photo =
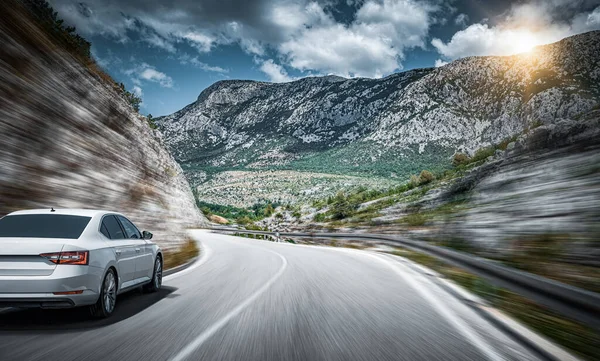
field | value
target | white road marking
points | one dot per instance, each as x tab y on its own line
198	341
470	335
444	311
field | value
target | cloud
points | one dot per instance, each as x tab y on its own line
200	41
304	33
440	62
137	91
372	45
186	59
157	41
275	72
525	25
461	20
107	60
146	72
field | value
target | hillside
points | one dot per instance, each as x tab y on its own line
69	140
376	132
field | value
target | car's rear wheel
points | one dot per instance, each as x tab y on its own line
156	282
108	296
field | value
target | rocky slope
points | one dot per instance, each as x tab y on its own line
389	127
68	140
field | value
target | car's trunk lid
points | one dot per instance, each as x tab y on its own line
21	256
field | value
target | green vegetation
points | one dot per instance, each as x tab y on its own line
460	159
426	177
483	154
65	36
130	97
415	220
319	217
269	210
572	335
542	254
342	206
241	215
150	120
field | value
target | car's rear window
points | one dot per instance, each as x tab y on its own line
43	226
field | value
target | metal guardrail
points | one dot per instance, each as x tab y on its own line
569	301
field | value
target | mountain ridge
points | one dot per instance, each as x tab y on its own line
390	127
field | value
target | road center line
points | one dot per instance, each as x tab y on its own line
444	311
198	341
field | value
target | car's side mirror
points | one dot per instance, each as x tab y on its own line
146	235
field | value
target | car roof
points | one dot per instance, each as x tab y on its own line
64	211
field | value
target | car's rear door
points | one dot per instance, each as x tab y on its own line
144	262
124	248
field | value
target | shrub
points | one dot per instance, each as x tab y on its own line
297	214
243	220
319	217
269	210
414	181
460	159
253	227
341	207
483	154
426	177
415	220
151	122
65	36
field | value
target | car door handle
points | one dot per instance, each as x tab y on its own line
137	249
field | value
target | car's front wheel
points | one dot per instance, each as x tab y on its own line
108	296
156	281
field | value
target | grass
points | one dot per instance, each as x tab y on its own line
183	254
414	220
572	335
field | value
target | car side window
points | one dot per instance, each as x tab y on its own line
131	231
112	227
104	230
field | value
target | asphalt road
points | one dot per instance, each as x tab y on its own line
257	300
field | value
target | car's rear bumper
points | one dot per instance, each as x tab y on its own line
40	291
47	300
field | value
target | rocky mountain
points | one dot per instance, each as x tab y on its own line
375	130
70	141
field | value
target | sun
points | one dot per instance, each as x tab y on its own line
523	41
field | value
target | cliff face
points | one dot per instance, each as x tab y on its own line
69	140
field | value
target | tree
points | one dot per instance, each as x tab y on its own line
66	37
151	122
269	210
341	207
133	100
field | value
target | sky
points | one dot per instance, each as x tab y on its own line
167	52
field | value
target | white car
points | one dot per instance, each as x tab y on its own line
74	257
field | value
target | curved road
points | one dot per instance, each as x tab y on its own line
256	300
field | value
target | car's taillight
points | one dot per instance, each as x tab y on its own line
77	258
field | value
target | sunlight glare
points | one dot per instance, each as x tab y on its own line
523	41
